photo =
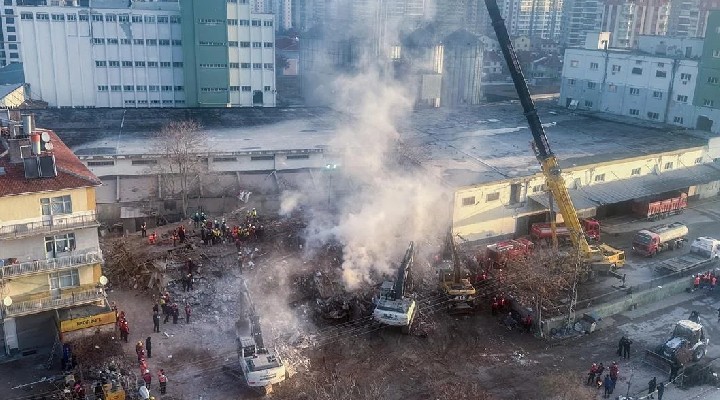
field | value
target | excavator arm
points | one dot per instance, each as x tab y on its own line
541	146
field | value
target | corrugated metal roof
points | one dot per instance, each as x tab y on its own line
647	185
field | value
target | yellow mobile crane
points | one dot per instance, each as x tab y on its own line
459	292
600	255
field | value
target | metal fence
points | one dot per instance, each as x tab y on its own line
74	259
52	303
56	222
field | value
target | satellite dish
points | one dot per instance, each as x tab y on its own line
48	146
103	280
7	301
45	137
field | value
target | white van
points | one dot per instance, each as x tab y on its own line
706	247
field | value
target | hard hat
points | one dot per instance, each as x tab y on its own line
147	371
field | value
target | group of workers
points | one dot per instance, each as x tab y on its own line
706	280
595	377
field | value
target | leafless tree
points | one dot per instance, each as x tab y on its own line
181	144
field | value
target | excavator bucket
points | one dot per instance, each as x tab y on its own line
658	361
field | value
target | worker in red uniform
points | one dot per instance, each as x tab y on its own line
614	372
124	330
152	238
713	282
494	306
696	281
163	381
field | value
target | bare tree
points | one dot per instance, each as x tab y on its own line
182	145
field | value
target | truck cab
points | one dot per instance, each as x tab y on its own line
688	336
706	247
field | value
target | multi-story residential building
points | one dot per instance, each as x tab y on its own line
50	260
470	15
657	82
533	18
688	18
138	54
579	17
230	54
707	89
628	19
283	14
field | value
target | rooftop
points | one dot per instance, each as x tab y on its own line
71	172
464	147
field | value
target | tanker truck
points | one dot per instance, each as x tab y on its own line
649	242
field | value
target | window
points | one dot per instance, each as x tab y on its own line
167	101
162	19
11	29
111	41
599	178
268	45
594	65
139	63
660	74
538	188
151	42
56	205
129	88
153	88
245	65
635	171
257	65
246	89
174	20
137	19
138	41
166	88
152	64
101	63
634	111
267	88
58	17
114	63
637	71
612	88
256	22
177	64
10	21
165	64
257	45
65	279
268	66
661	65
298	156
59	244
698	160
268	23
26	15
100	163
234	88
177	42
235	65
127	63
204	43
635	91
179	88
164	42
142	102
14	55
468	201
669	165
244	22
657	94
591	85
682	99
125	41
12	46
42	16
232	22
685	77
574	63
232	43
110	17
653	115
144	162
678	120
213	65
115	88
615	68
492	196
224	159
123	18
150	19
716	53
713	80
98	41
588	103
141	88
571	81
708	103
262	158
97	17
244	44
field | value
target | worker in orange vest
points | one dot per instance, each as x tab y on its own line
152	238
696	282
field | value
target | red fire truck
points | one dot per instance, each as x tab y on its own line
541	231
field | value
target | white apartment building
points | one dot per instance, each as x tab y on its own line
656	82
626	20
533	18
688	18
580	17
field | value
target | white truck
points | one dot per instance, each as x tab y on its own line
706	247
393	307
649	242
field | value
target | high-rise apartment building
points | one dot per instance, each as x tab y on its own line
214	53
628	19
579	17
533	18
688	18
707	90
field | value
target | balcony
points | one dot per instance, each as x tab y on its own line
79	296
55	223
75	259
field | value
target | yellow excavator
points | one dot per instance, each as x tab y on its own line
598	257
460	294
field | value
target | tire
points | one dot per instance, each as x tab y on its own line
554	332
699	353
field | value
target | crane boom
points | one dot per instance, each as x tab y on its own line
548	162
403	271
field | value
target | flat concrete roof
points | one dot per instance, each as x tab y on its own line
464	147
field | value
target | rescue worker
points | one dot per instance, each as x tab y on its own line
144	393
175	237
175	313
660	390
152	239
614	372
181	233
143	229
240	266
148	347
494	306
124	330
156	322
696	282
190	282
608	386
528	322
187	313
713	282
163	381
626	348
621	345
652	386
147	377
592	373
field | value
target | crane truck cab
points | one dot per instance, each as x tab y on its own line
393	307
706	247
688	336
